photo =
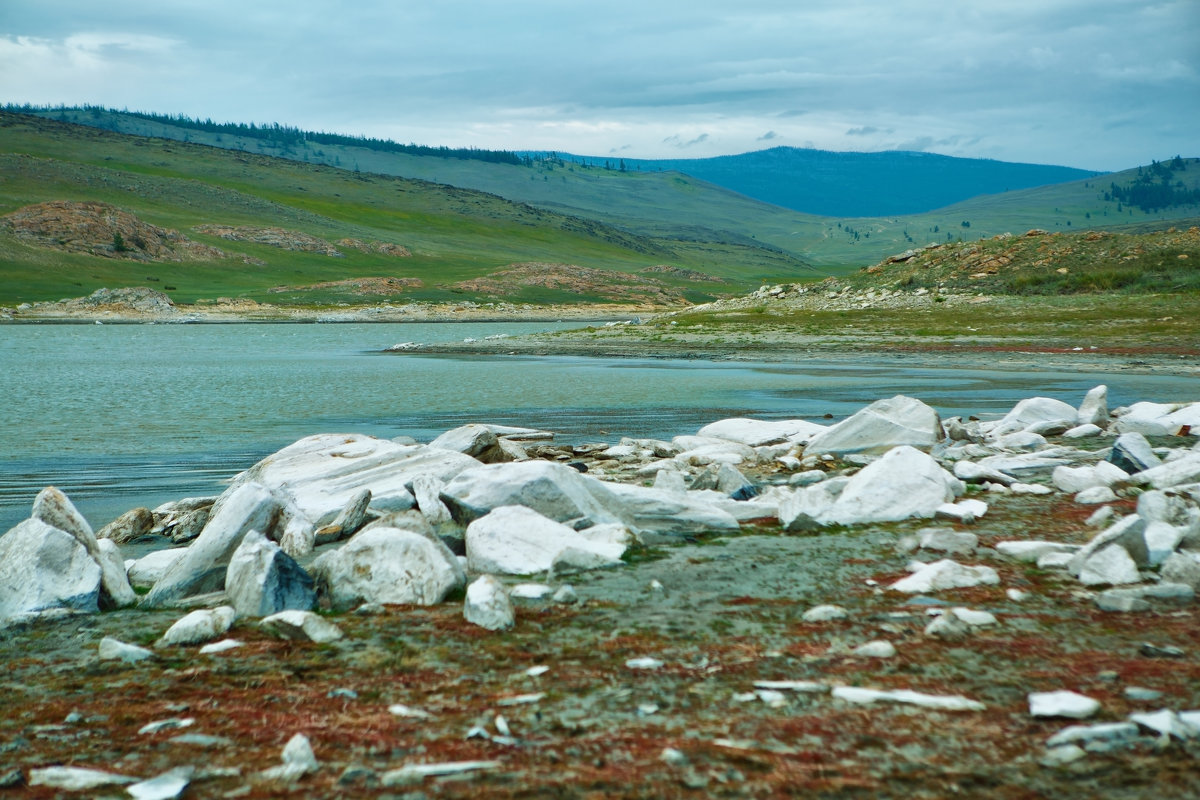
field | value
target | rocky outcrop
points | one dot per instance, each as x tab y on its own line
101	229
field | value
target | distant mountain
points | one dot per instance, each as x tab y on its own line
890	183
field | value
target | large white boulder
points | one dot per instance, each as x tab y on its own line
1183	470
515	540
1132	453
657	511
43	567
387	565
553	490
1036	411
902	484
149	569
323	473
1153	419
882	425
477	441
242	508
262	580
757	432
55	508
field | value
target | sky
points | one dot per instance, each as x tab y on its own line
1095	84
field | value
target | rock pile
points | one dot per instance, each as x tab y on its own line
404	523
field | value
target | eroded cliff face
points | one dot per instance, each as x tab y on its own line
101	229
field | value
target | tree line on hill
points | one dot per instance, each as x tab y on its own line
283	135
1156	187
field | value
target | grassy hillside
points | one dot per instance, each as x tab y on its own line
681	207
453	234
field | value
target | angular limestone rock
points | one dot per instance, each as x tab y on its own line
946	574
1062	704
199	626
304	626
262	580
43	567
387	565
487	604
880	426
902	484
515	540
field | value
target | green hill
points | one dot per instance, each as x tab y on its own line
453	235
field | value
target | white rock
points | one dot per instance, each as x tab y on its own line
854	694
554	490
804	507
1021	442
167	786
349	519
649	511
946	574
1132	453
301	626
806	687
1095	496
1100	518
947	540
1094	408
948	626
298	760
223	646
974	617
487	604
644	662
1034	411
531	591
473	440
427	489
1030	552
1109	565
1128	532
323	473
199	626
147	570
54	508
1063	755
245	507
1103	732
42	567
1181	471
967	510
416	772
1030	488
387	565
904	483
972	472
1085	431
1062	703
1149	419
76	779
1162	539
880	426
824	613
1055	560
876	649
516	540
262	580
115	650
666	480
1164	722
755	433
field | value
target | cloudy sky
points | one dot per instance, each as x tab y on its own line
1097	84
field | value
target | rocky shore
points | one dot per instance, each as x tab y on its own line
893	604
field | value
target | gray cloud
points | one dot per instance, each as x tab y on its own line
768	136
1025	80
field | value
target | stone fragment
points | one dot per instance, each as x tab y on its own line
1022	442
756	433
43	567
1062	703
55	509
875	649
148	569
824	613
1183	568
387	565
348	521
76	779
167	786
1132	453
116	591
652	512
1180	471
304	626
1036	410
553	490
903	483
854	694
947	540
965	511
115	650
129	527
946	574
477	441
1062	755
1109	565
487	604
971	472
298	760
1095	496
1086	431
879	427
1123	603
427	490
413	773
262	580
243	508
1164	722
1128	532
1104	732
516	540
199	626
1094	408
948	626
1100	518
1031	551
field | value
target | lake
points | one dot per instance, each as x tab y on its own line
124	415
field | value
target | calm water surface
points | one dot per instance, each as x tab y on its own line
126	415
